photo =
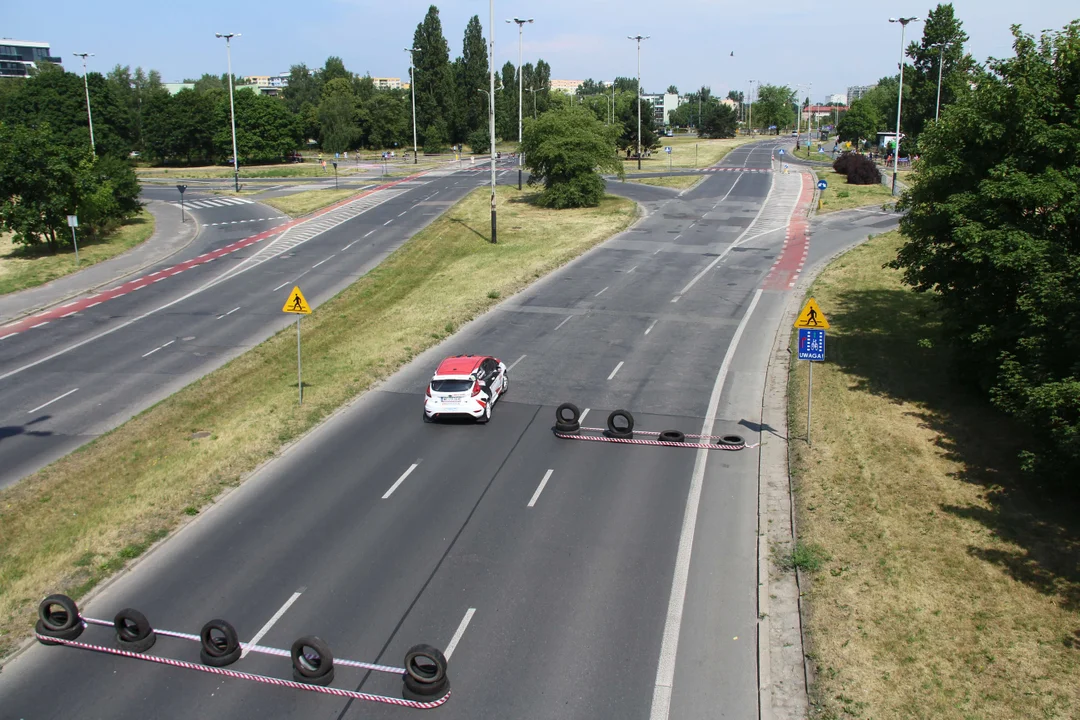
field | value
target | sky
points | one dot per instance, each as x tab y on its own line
828	44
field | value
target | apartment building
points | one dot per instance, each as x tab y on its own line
663	104
18	56
857	91
566	86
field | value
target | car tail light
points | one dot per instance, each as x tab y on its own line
428	392
476	388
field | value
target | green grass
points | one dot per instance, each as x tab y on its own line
308	201
841	196
291	170
74	523
22	268
946	589
674	181
683	153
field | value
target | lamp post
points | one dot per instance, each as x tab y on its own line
533	91
899	95
412	87
941	63
232	110
750	107
612	102
638	38
520	24
86	85
491	111
798	116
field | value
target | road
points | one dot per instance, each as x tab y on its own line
581	580
71	373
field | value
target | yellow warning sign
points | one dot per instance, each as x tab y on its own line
296	303
812	317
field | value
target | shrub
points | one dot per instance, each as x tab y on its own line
842	163
862	171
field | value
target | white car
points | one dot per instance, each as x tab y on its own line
465	385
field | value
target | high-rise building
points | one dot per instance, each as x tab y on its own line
566	86
18	56
857	91
837	99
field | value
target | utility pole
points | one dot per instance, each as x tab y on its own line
86	85
232	110
899	96
412	86
750	107
639	38
520	24
941	63
491	112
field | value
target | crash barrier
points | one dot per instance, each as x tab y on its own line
620	429
425	683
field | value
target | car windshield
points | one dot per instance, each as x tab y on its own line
450	386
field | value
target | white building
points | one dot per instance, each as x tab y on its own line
18	56
837	99
663	105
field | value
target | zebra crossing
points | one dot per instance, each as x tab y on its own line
716	168
215	202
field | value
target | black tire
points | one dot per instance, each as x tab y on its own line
224	642
60	620
419	692
567	418
138	646
675	436
425	664
614	430
428	419
131	626
220	660
312	667
323	680
735	440
486	416
69	634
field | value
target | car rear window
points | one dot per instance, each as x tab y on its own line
451	386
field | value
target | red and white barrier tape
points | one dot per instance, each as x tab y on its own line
629	441
653	432
262	649
250	676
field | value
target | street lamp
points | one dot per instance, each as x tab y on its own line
89	115
412	86
639	38
533	91
232	110
899	95
798	115
612	102
491	110
520	24
750	107
941	62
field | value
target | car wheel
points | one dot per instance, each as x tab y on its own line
486	416
428	419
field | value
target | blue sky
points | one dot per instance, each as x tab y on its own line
830	43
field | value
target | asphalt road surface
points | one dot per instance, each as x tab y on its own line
572	579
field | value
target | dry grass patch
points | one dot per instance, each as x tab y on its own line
948	591
687	153
77	521
841	196
308	201
20	269
680	182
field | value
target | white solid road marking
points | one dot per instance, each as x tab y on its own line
270	623
458	633
93	305
581	418
540	488
159	348
631	270
676	298
665	671
39	325
515	363
651	325
69	314
600	293
31	412
400	480
8	335
615	370
568	318
321	262
232	311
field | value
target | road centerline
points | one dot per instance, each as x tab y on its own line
270	623
452	645
61	397
400	480
540	488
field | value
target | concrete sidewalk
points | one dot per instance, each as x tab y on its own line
170	237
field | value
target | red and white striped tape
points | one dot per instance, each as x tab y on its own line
653	432
629	441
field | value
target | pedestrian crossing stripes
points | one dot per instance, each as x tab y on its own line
215	202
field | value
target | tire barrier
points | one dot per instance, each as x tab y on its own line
567	418
220	644
712	442
672	436
133	631
312	661
733	440
59	619
615	430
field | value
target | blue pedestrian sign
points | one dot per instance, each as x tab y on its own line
821	184
781	151
667	149
812	345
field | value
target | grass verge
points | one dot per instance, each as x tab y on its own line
308	201
687	153
313	169
79	520
674	181
20	269
841	196
945	590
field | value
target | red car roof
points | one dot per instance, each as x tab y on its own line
460	365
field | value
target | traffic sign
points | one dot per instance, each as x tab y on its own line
811	344
821	150
822	184
812	317
667	149
181	188
73	221
781	151
296	303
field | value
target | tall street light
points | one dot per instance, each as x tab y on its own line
750	107
89	115
639	38
491	110
941	63
412	86
533	91
520	24
232	110
899	95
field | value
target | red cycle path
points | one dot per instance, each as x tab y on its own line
785	271
85	303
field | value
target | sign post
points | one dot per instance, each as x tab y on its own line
335	175
667	149
822	185
181	188
297	305
811	325
73	222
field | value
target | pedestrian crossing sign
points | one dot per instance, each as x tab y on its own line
296	303
811	317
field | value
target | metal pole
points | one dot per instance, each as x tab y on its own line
412	86
182	208
899	97
491	114
809	400
232	109
75	243
941	62
521	24
299	370
86	85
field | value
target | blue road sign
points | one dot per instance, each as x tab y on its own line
811	344
781	151
821	184
667	149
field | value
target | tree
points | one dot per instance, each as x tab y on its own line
672	90
303	87
993	231
736	95
718	120
774	107
433	80
338	116
542	83
334	69
624	84
626	114
861	121
389	120
565	150
506	92
265	129
473	74
922	77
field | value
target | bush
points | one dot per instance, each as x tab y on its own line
862	171
842	163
